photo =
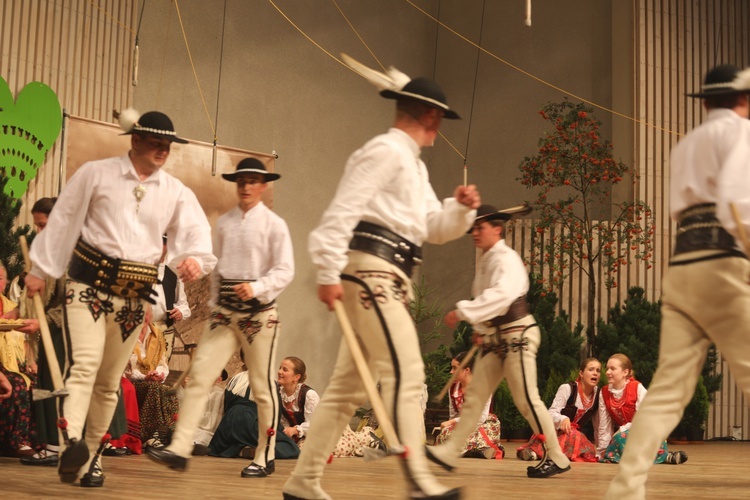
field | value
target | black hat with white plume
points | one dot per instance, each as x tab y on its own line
393	84
152	122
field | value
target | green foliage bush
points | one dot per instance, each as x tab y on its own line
634	329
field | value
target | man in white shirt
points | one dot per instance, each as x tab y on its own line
255	264
106	231
365	248
510	338
705	293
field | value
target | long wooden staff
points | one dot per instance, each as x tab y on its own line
49	348
740	228
394	445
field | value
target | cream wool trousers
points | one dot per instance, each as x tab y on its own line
702	302
96	356
521	342
391	346
216	346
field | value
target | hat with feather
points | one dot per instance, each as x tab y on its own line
724	80
393	84
152	122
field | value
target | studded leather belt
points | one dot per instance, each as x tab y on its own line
112	275
384	243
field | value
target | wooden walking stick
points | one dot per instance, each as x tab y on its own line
394	445
740	228
469	356
49	348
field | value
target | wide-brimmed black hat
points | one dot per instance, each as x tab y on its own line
720	80
423	90
251	166
156	123
486	213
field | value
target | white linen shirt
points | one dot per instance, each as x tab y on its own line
98	204
254	245
712	165
501	279
385	183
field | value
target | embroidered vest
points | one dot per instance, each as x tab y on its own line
622	411
296	417
584	421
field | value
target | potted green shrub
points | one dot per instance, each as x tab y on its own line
696	414
514	426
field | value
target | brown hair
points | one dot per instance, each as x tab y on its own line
43	206
412	107
586	362
299	367
726	101
625	363
460	357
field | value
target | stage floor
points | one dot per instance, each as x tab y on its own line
713	470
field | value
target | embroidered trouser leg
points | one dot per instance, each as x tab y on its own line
100	333
375	298
514	359
215	347
702	302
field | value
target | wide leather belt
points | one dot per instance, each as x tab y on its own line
228	298
699	229
112	275
381	242
518	309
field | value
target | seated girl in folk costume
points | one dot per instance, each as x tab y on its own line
618	402
148	370
484	442
575	414
17	432
237	433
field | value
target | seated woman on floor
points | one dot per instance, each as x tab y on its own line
575	414
147	370
17	430
484	442
237	433
618	402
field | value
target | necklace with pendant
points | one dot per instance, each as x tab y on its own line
139	192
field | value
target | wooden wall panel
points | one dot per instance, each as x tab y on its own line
82	49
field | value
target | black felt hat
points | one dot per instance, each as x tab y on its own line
721	80
423	90
251	166
486	213
152	122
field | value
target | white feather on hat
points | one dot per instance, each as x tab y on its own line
393	79
742	80
128	118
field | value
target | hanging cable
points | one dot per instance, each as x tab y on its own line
538	79
192	65
218	89
473	96
135	49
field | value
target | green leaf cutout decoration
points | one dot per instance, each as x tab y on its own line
29	127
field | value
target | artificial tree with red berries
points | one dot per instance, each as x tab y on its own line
573	173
